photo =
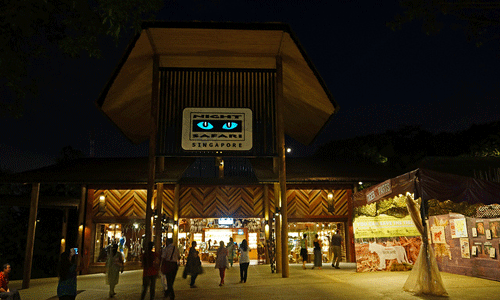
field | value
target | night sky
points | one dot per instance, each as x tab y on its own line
381	79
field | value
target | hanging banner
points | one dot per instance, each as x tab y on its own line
383	226
217	129
378	191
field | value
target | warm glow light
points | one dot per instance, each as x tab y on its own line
222	163
101	198
136	225
288	150
330	196
360	183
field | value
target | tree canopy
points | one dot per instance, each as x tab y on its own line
479	19
37	29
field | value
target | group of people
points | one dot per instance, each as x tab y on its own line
335	244
225	257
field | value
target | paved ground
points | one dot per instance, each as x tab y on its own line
327	283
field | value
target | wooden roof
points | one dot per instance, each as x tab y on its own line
134	171
126	98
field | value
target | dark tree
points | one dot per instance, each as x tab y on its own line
36	29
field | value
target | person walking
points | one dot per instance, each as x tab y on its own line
318	257
337	250
244	260
231	249
303	250
221	262
193	265
151	264
169	266
114	264
5	292
66	288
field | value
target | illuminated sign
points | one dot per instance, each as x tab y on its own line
226	221
217	129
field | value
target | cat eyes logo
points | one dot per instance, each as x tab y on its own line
220	129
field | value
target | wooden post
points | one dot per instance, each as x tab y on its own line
277	228
64	231
176	214
30	241
266	218
81	219
159	212
152	149
282	165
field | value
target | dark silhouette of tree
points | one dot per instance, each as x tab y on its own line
402	149
32	30
478	19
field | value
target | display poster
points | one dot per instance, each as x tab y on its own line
492	252
495	228
465	247
480	227
488	234
488	248
438	235
479	247
474	232
383	226
458	228
474	251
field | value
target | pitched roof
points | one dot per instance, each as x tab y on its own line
126	98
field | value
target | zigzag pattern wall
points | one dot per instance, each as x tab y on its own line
221	201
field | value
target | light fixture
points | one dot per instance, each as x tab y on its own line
330	196
360	183
288	150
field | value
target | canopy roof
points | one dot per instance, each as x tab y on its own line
432	185
126	98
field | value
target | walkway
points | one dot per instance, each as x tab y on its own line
327	283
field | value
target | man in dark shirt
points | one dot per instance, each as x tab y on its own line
5	292
337	251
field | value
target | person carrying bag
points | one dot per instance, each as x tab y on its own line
169	267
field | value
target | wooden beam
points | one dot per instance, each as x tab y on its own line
64	231
88	233
176	214
81	219
282	165
152	149
277	229
266	218
159	212
30	241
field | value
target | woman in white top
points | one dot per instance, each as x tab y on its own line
244	260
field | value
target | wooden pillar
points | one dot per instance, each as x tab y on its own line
350	247
277	228
280	126
159	213
30	241
88	233
176	214
152	150
81	219
266	218
64	231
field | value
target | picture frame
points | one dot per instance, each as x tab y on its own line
474	251
474	232
492	253
488	234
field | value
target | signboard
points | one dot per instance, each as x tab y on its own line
217	129
226	221
378	191
384	226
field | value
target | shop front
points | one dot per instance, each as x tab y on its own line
210	214
324	230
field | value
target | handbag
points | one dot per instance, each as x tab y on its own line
168	266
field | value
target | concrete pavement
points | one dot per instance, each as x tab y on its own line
327	283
